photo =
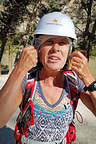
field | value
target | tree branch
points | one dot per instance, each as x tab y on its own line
68	4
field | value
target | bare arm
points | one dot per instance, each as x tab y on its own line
10	96
86	98
81	67
11	93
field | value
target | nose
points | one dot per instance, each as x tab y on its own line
56	47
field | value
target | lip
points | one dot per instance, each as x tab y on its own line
54	58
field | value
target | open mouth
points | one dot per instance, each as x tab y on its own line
53	59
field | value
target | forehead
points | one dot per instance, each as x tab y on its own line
43	38
59	38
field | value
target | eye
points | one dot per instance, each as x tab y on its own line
61	43
49	42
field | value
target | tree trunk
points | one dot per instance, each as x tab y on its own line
88	50
2	48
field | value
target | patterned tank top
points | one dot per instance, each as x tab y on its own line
51	121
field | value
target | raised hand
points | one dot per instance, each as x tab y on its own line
28	59
81	67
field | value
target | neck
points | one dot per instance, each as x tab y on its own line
51	78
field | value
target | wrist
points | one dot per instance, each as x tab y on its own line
89	80
91	87
19	71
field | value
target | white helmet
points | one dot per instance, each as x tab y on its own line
57	24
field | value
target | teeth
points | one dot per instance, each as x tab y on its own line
54	58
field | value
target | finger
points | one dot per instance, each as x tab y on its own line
77	54
76	64
76	59
29	50
75	69
29	47
29	54
80	61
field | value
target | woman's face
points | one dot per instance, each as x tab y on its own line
54	53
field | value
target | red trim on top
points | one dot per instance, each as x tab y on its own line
32	116
29	84
69	71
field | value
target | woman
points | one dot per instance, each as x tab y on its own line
46	109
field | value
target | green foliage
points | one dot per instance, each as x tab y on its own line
10	17
30	40
50	6
93	51
16	41
13	48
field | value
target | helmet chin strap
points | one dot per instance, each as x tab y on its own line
71	47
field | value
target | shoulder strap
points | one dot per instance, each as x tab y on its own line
75	94
30	86
73	90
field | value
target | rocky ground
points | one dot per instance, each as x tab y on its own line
86	132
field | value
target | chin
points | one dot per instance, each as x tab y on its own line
54	68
